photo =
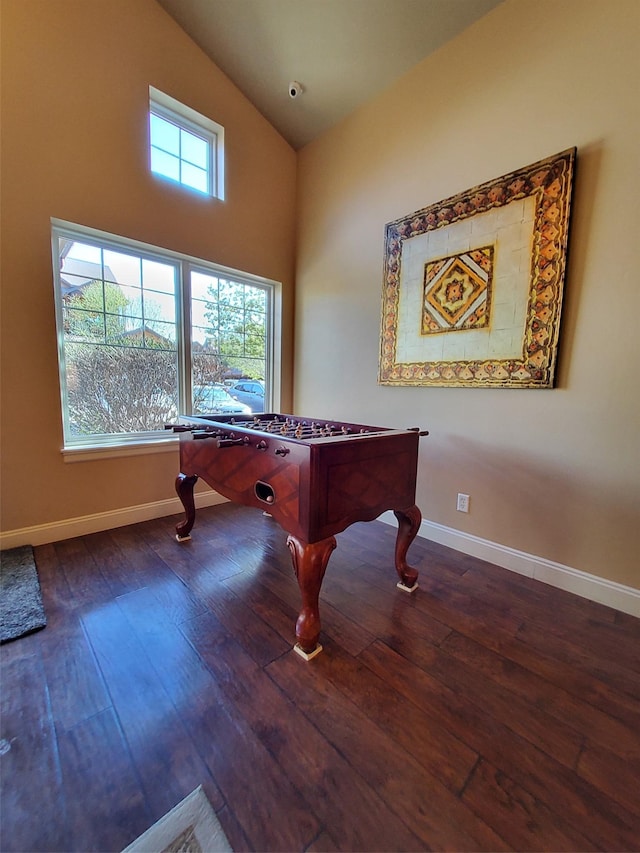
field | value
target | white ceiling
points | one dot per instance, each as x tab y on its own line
342	52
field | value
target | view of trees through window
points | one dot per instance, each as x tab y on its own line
123	337
228	325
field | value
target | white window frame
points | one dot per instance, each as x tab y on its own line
188	119
95	446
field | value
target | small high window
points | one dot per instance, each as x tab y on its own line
185	146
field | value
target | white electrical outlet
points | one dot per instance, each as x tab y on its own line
463	503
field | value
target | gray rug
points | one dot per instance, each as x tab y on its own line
21	610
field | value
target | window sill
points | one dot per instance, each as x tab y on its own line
91	453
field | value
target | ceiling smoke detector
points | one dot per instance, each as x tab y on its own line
295	89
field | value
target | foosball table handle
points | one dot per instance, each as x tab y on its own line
233	442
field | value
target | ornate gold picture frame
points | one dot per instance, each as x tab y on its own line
473	285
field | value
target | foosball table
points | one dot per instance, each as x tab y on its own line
314	477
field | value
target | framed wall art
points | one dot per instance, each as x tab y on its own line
473	285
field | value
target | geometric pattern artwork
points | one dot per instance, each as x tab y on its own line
457	292
473	285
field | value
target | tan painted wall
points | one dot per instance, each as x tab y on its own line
553	473
75	78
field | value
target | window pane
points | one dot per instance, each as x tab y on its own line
80	291
254	345
207	368
201	284
255	319
231	293
84	325
196	178
159	335
205	340
122	268
232	341
158	276
131	336
194	150
165	135
165	164
84	252
203	314
159	306
129	303
114	390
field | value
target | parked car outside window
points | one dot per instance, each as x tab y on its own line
250	392
215	399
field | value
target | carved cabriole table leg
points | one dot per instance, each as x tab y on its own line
309	563
408	525
184	487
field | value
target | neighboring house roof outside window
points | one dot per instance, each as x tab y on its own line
76	274
143	335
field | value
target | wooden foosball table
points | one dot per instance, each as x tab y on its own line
315	478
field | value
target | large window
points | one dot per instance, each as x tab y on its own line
185	146
146	334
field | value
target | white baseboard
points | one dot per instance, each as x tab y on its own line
618	596
40	534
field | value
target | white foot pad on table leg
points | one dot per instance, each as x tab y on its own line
307	655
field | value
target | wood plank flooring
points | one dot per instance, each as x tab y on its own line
485	712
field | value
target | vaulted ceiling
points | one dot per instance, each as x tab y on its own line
341	52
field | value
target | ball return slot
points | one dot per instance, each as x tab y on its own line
264	492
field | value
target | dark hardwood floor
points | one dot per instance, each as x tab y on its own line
484	712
